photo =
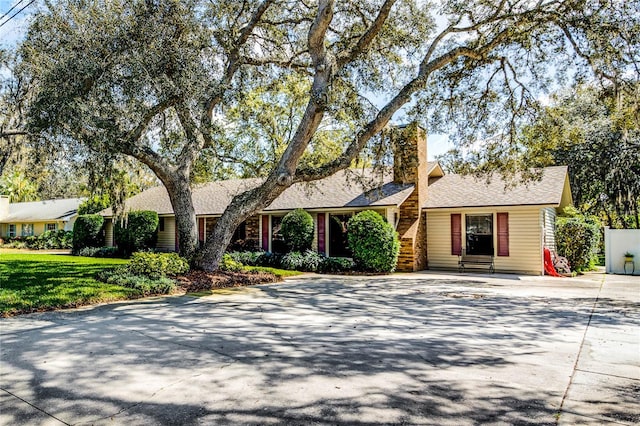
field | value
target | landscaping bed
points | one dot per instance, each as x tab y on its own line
45	282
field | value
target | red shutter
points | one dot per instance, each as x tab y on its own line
321	233
265	232
201	229
456	234
503	234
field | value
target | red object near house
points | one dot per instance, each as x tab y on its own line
549	269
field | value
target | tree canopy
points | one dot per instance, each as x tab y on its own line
170	83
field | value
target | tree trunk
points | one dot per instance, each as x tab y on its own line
242	207
185	214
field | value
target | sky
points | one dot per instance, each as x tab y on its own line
15	29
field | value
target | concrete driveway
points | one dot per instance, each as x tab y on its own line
420	348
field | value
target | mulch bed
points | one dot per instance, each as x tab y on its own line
196	281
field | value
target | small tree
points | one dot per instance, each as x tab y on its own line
373	241
138	232
297	230
94	204
577	239
88	232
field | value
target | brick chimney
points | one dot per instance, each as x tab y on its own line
409	145
4	206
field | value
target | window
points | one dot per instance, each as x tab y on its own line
479	234
12	230
27	229
277	240
161	224
338	242
52	226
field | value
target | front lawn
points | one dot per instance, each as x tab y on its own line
34	282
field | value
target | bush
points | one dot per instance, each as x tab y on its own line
577	239
270	260
297	230
98	252
293	261
373	242
249	258
88	232
94	204
229	264
144	285
335	264
140	231
157	265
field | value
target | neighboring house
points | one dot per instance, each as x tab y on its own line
436	215
36	217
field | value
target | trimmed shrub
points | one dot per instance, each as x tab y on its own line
297	230
335	265
88	232
140	231
144	285
156	265
229	264
98	252
271	260
293	261
249	258
373	242
577	239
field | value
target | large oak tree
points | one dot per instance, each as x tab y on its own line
159	80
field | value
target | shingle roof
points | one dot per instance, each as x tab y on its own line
38	211
454	190
337	191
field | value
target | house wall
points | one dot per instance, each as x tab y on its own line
617	242
525	239
38	227
108	232
548	218
167	238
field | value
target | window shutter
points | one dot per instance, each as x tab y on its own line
265	232
321	233
456	234
201	229
503	234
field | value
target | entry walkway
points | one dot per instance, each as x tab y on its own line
420	348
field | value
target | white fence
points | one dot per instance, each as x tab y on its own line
617	242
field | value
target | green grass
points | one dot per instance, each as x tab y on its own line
34	282
275	271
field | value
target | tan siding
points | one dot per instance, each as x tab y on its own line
525	235
439	241
167	238
108	233
38	228
548	218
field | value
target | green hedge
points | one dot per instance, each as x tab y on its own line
373	242
297	230
157	265
577	239
88	232
138	232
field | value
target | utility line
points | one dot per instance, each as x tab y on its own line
14	15
9	11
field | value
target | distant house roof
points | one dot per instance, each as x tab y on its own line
40	211
452	190
342	190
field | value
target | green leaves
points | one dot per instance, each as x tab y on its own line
373	242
